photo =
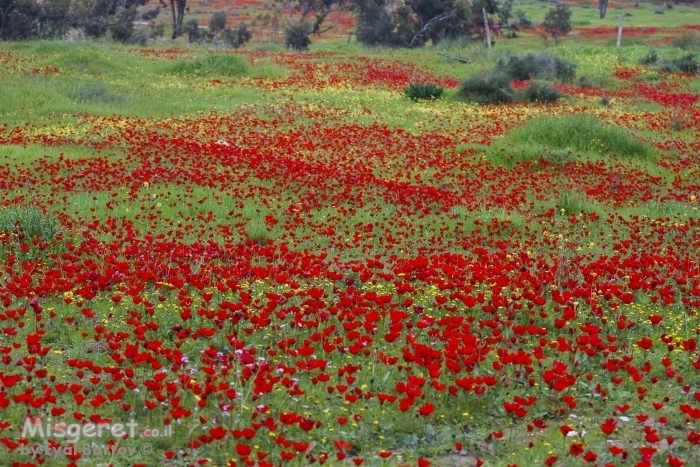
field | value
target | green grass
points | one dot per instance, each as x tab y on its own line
558	138
212	65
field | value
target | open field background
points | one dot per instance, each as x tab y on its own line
290	263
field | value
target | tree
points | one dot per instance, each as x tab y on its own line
178	8
191	28
297	35
438	20
603	7
19	19
122	26
558	21
236	37
54	21
323	11
217	22
90	17
374	24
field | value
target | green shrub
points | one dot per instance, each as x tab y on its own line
650	58
423	91
212	65
523	21
486	88
575	133
689	40
687	64
536	65
542	92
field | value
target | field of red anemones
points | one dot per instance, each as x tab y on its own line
323	272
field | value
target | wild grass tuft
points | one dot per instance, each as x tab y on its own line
212	65
423	91
27	223
576	133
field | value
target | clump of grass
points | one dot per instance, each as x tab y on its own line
570	202
486	88
576	133
19	226
93	93
536	66
542	92
423	91
212	65
27	223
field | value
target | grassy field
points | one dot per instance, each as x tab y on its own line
276	258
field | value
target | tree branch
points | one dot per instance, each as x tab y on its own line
431	22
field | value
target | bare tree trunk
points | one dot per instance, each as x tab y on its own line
172	7
486	26
619	30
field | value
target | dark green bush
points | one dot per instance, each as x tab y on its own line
536	65
542	92
487	88
423	91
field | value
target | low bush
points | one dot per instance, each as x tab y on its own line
651	58
536	65
487	88
689	40
542	92
423	91
685	64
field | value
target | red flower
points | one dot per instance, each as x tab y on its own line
608	427
645	343
426	409
576	449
